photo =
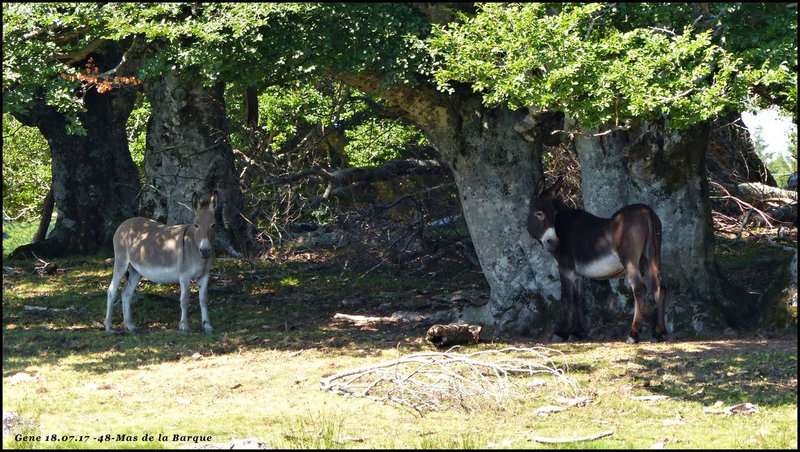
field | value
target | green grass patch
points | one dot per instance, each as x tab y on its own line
275	337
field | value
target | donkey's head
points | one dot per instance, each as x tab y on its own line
204	222
542	215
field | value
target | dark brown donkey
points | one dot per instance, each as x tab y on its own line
586	246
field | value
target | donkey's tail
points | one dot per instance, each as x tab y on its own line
654	240
654	249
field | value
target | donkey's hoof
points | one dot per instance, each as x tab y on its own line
657	338
632	340
207	328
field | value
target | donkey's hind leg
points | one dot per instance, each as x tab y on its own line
658	295
120	265
127	293
639	295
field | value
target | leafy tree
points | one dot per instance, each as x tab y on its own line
26	170
590	61
377	141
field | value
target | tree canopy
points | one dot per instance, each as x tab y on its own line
609	63
600	62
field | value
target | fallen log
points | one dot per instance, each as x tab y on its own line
444	336
754	191
363	318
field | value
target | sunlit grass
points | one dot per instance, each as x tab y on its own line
258	375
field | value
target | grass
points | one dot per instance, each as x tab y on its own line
258	374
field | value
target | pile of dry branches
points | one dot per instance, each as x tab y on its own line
737	204
432	381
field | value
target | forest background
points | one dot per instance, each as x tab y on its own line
303	114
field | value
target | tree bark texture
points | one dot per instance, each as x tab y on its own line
495	159
667	171
95	182
188	150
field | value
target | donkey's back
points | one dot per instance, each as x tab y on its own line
152	248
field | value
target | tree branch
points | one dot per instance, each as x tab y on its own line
348	176
543	440
78	55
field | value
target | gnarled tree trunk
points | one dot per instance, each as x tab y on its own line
495	156
95	182
665	170
188	150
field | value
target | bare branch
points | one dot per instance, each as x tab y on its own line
432	381
347	176
543	440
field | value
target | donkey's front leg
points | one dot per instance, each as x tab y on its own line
202	289
566	330
186	288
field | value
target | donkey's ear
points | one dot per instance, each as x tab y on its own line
539	187
212	200
195	201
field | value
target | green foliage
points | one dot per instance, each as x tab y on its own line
571	58
600	62
26	170
378	140
763	35
16	234
229	41
137	131
36	37
255	44
287	110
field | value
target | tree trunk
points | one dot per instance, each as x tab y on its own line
495	155
665	170
188	150
45	217
731	157
95	182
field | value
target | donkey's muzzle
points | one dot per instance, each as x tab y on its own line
205	253
550	239
551	243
